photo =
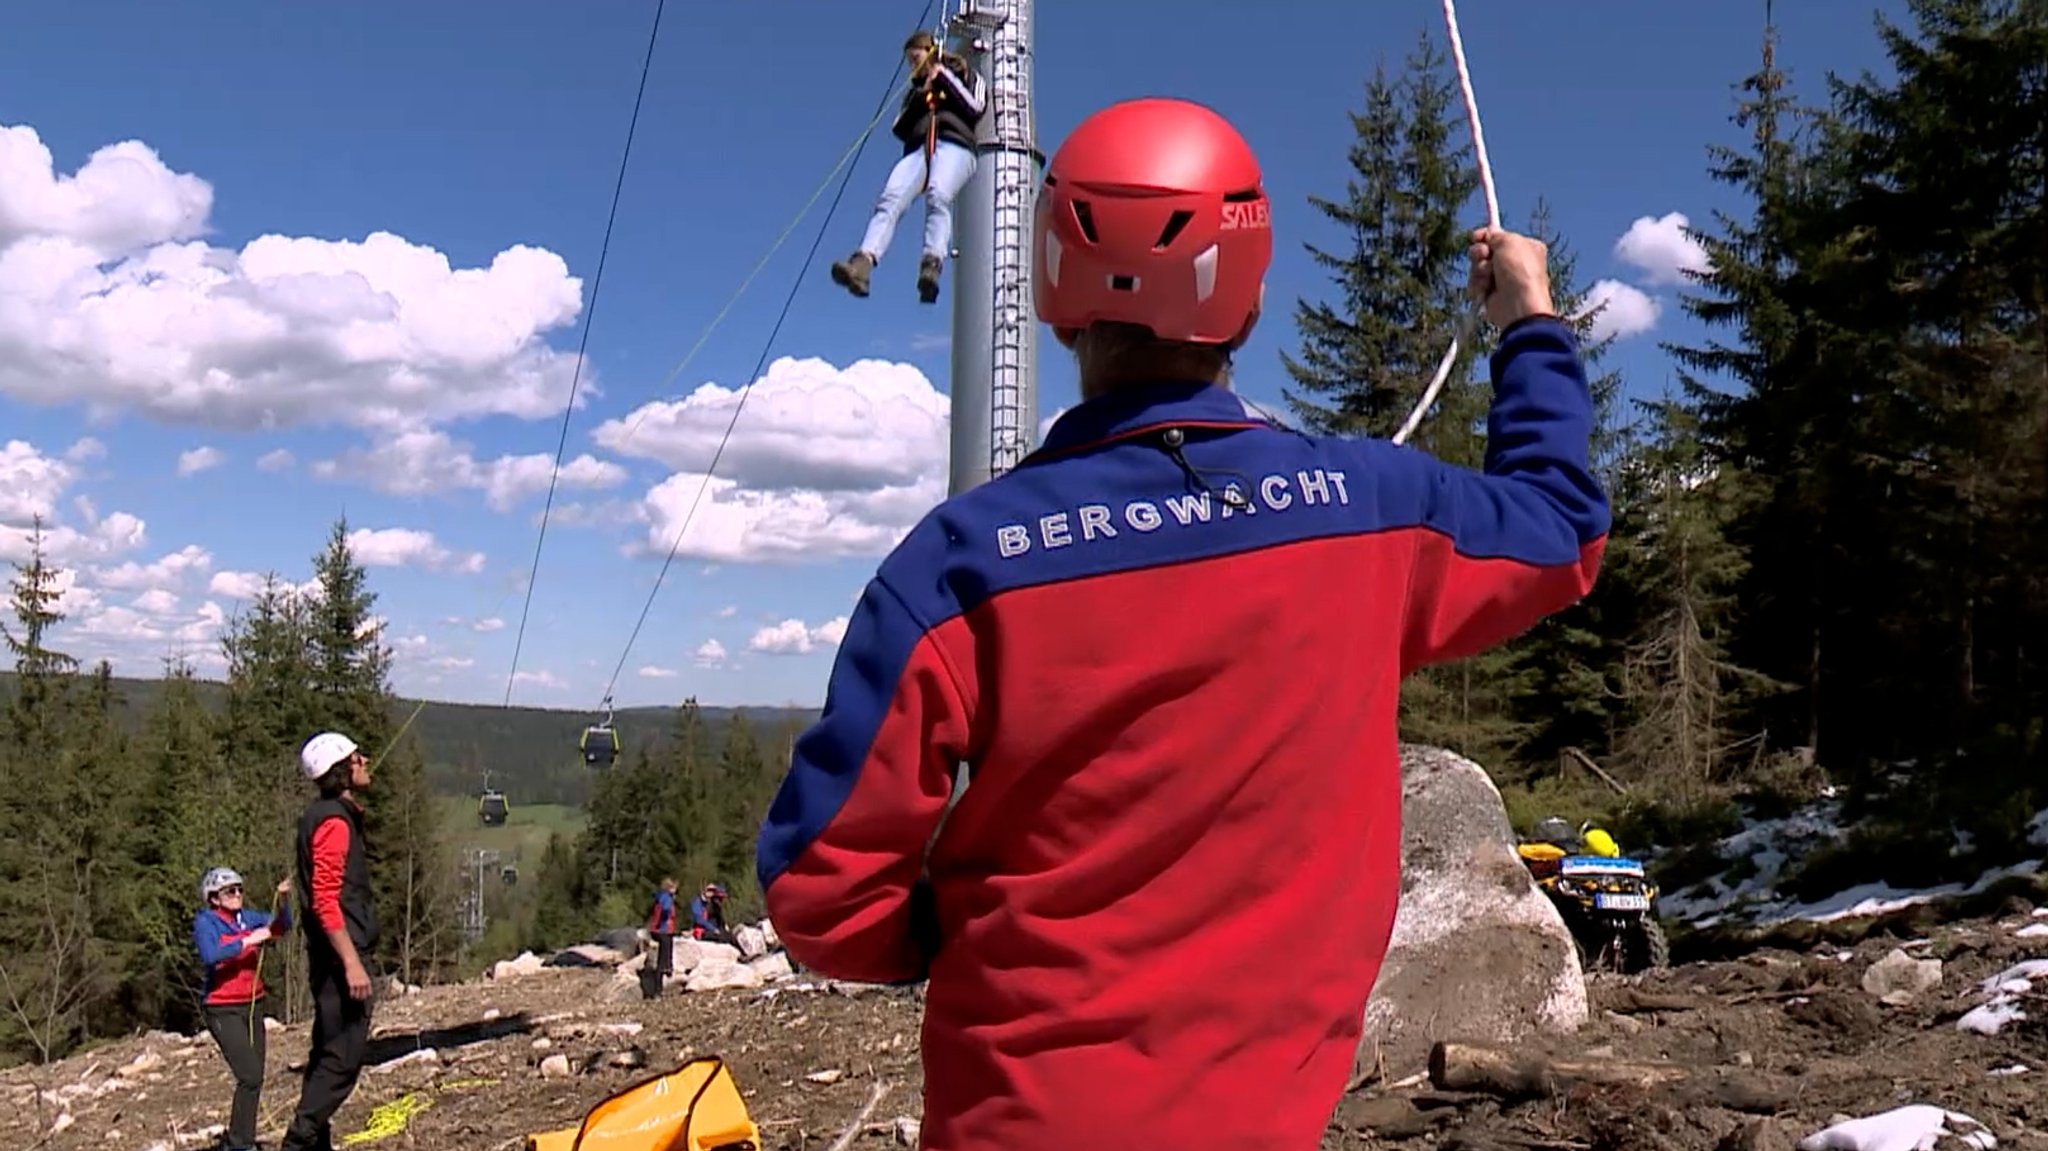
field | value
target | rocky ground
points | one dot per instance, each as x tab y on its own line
1746	1053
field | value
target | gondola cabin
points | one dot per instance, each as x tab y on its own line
492	809
510	875
600	744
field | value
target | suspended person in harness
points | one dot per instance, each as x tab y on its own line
707	916
230	939
1169	581
340	925
937	126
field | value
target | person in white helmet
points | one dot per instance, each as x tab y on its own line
340	923
230	938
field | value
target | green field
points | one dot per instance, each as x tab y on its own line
524	835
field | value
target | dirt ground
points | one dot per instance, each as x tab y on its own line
1768	1047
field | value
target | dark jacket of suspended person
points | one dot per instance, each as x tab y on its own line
1170	643
230	939
938	123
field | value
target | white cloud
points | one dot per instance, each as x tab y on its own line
709	654
114	301
794	637
165	572
1624	310
409	547
30	485
276	461
249	585
156	601
728	611
541	679
653	672
1659	247
823	463
85	449
198	460
420	462
30	482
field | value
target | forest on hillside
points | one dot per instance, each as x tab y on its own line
530	752
108	819
1829	558
1828	566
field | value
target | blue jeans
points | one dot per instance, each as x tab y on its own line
951	166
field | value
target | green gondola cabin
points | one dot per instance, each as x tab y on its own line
600	744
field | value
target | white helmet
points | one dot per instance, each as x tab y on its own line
216	880
323	751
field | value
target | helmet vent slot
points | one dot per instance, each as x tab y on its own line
1084	217
1175	225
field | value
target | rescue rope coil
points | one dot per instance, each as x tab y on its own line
1469	324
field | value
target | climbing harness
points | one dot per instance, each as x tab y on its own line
1469	325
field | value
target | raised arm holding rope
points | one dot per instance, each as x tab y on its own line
1170	642
230	938
937	124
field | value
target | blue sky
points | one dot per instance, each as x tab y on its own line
189	405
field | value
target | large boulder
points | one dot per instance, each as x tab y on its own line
1478	953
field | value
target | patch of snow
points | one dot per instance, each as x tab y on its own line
1907	1128
1765	849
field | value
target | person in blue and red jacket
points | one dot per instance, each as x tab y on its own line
340	926
661	923
1169	644
230	939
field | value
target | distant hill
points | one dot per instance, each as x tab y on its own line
531	752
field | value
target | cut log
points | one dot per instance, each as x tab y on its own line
1516	1075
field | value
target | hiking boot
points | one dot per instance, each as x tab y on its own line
928	279
852	273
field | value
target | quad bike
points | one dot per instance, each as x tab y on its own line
1606	903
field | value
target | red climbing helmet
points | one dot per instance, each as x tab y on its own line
1153	213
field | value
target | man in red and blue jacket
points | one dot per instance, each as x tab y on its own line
230	938
1170	645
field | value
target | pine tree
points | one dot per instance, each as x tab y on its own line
1369	355
171	843
1558	676
1679	686
52	979
1772	439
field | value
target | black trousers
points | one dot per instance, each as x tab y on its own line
341	1038
238	1028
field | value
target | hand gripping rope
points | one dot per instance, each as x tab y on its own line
1469	324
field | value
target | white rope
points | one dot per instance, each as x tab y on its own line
1469	325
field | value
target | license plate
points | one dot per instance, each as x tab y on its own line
1622	902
